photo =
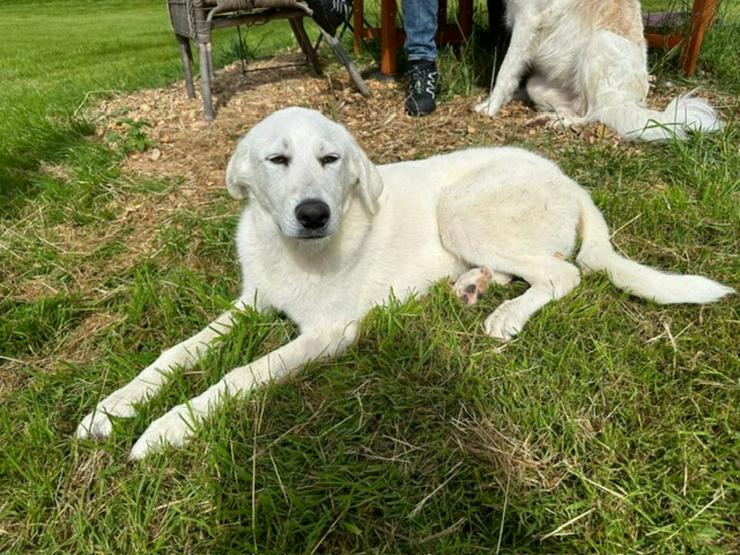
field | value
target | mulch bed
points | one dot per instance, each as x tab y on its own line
186	146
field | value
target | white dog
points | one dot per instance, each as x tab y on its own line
588	63
327	235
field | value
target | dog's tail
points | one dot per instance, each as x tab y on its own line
597	253
685	113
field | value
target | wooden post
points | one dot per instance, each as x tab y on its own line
702	14
465	18
205	82
358	12
296	23
441	19
388	37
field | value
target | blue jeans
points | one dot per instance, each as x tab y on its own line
420	24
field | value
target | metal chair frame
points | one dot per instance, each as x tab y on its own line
196	19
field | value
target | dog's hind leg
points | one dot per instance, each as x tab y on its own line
550	279
520	221
558	107
150	380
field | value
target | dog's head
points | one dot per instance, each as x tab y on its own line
304	170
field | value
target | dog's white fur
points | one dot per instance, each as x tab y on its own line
588	63
396	228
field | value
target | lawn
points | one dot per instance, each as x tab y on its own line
609	426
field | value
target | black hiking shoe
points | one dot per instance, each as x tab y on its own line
422	88
330	14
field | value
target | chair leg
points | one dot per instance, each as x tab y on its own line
702	14
388	45
359	10
211	71
342	56
465	17
296	23
205	81
187	64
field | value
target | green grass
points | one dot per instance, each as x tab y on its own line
609	426
59	55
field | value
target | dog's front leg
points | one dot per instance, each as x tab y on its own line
514	65
177	425
121	402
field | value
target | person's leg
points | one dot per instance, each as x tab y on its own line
420	24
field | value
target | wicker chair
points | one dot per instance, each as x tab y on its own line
195	19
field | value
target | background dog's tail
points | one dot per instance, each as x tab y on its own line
683	114
597	253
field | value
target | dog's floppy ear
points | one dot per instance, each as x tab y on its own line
239	171
369	182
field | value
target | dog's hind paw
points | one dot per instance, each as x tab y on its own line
506	321
471	285
540	120
557	121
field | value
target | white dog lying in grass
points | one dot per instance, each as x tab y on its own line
588	62
327	235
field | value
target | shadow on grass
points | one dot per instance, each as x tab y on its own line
376	451
42	141
358	469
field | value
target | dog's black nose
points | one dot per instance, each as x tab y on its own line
312	213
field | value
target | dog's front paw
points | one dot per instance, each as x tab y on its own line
488	107
505	322
98	424
174	428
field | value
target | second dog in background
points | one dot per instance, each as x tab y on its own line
588	63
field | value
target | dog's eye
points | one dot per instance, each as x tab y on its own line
279	159
329	159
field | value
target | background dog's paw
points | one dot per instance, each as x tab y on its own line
487	108
174	428
541	120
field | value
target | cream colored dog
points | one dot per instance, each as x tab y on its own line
327	235
588	63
